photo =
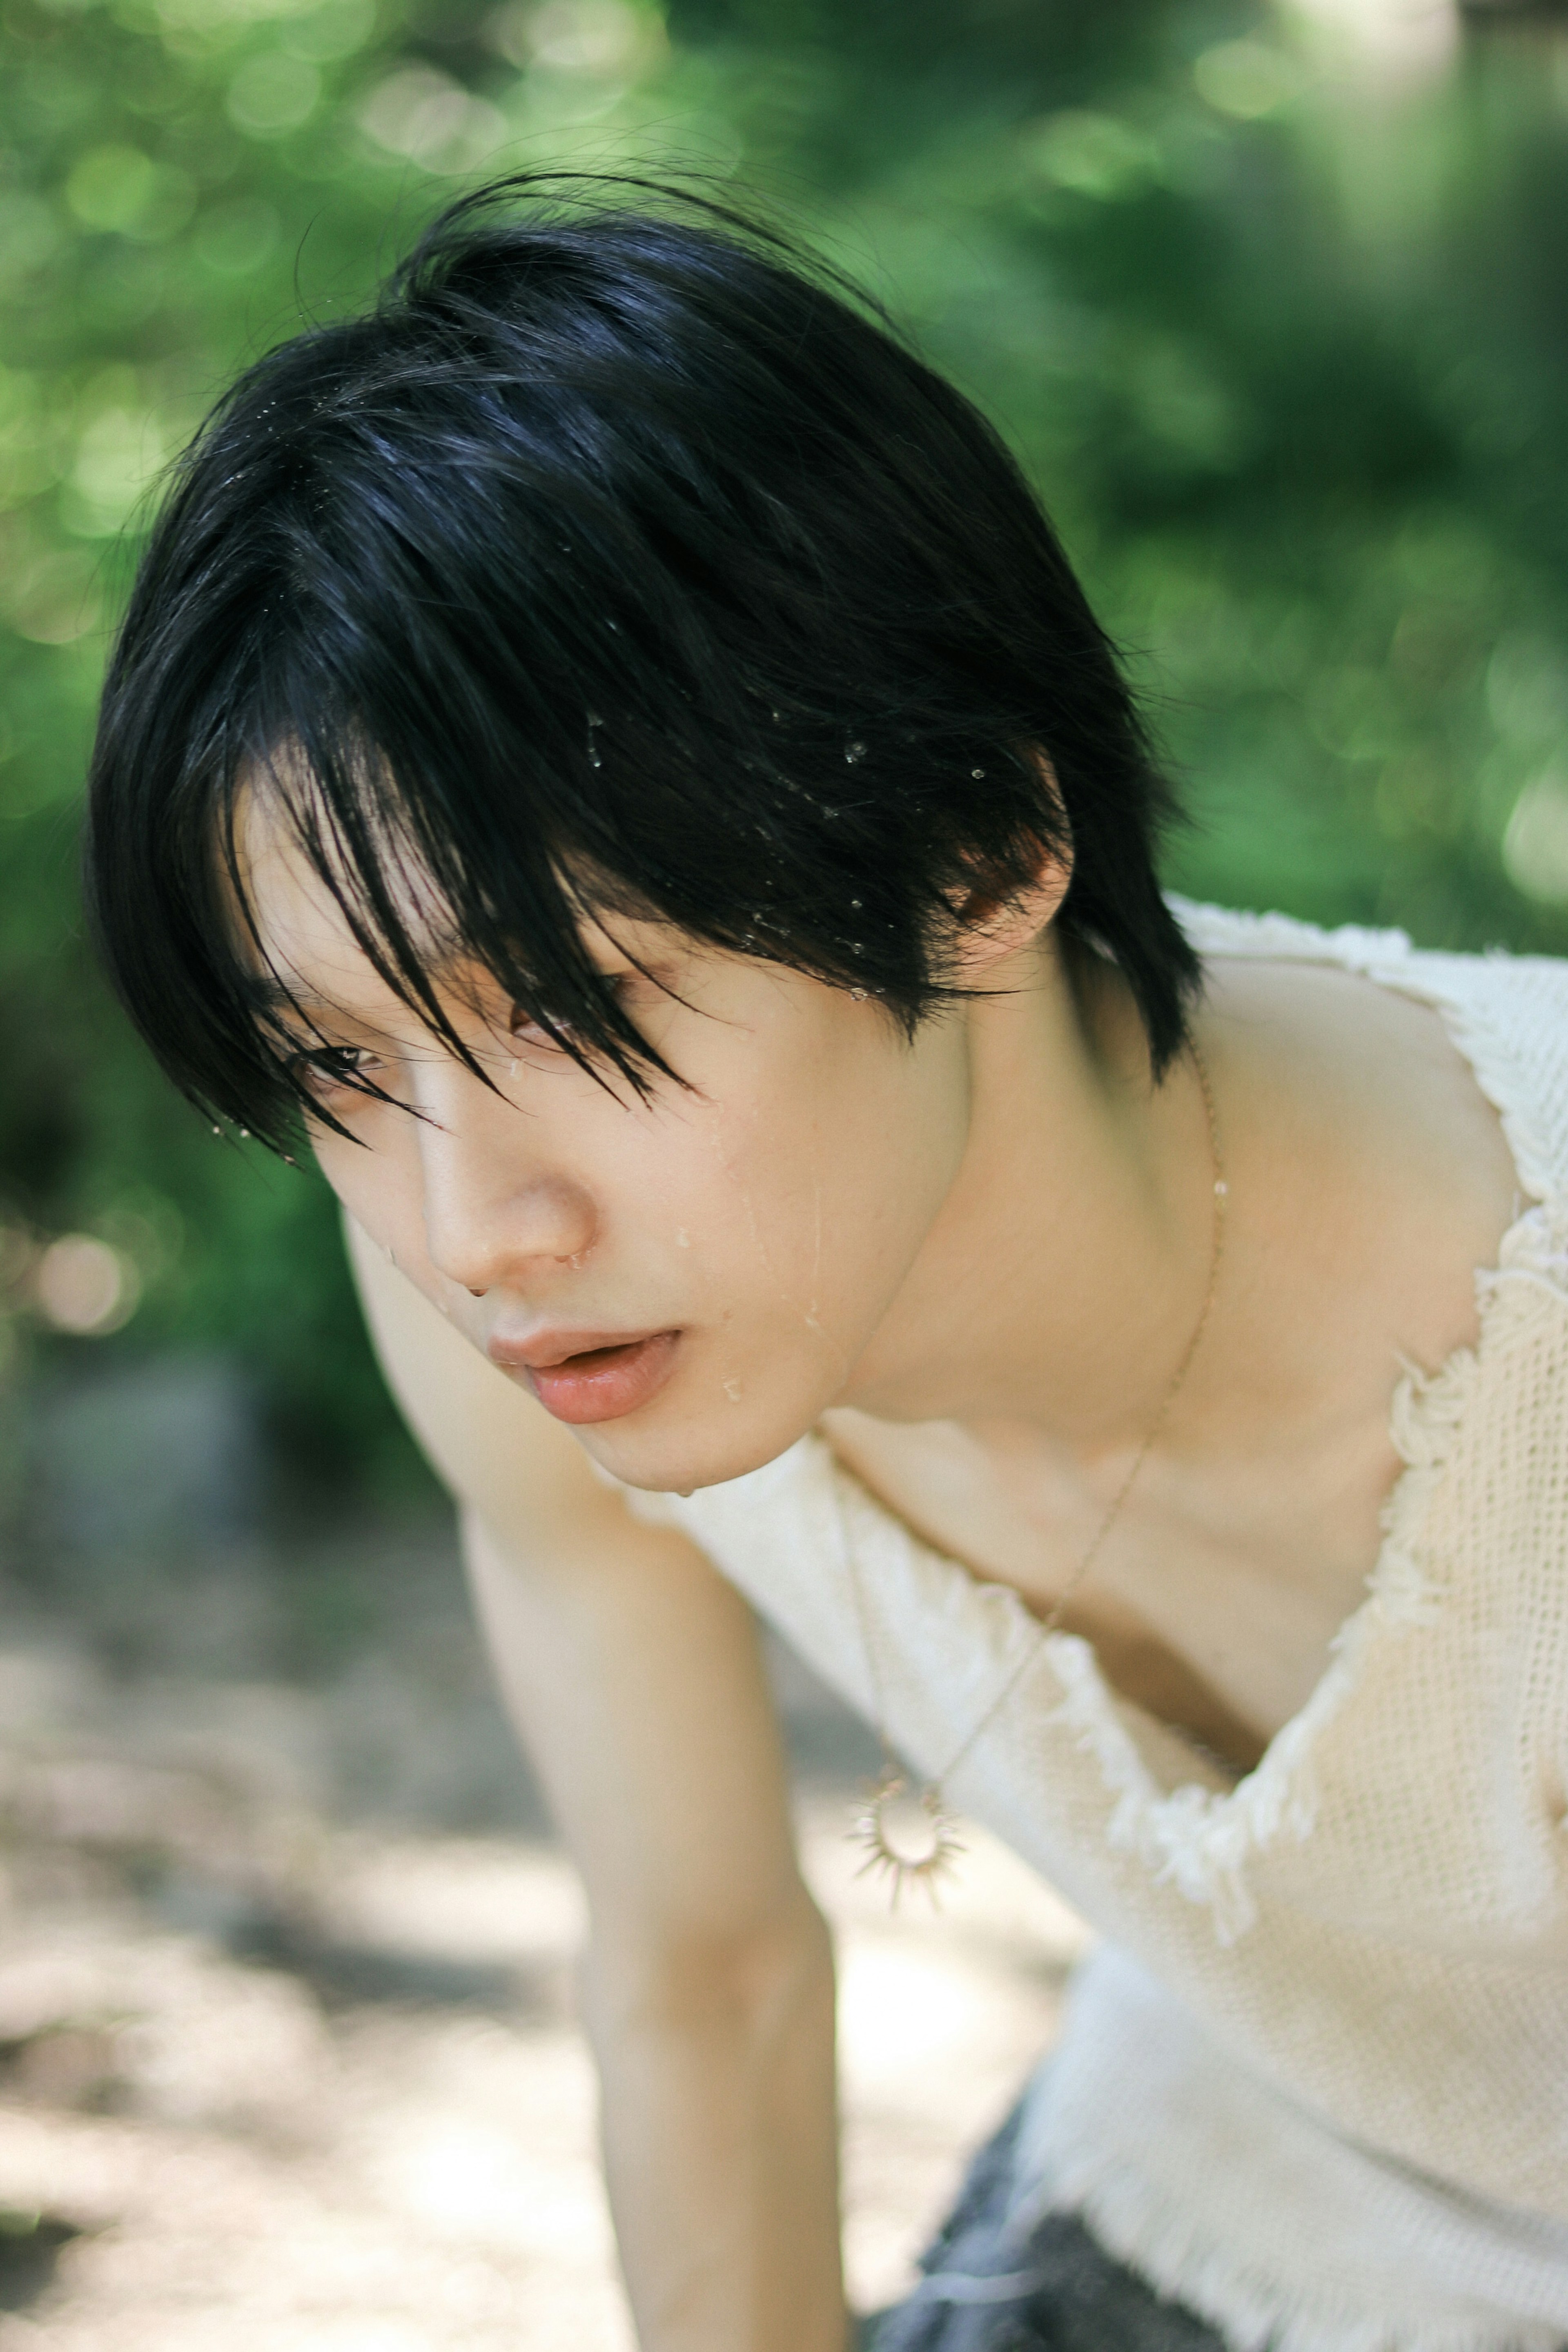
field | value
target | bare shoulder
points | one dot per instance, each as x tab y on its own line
501	1455
1325	1035
1372	1167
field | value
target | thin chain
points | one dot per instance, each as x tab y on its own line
1053	1617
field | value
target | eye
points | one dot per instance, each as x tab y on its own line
326	1069
525	1028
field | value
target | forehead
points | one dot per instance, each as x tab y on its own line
293	921
296	908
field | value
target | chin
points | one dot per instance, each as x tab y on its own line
685	1452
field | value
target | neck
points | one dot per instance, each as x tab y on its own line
1062	1279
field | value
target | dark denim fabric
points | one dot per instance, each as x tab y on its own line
1055	2291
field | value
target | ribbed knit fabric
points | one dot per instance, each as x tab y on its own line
1318	2089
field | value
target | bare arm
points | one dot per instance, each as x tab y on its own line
632	1671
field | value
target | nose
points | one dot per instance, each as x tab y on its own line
498	1212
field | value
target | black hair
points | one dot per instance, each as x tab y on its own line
618	556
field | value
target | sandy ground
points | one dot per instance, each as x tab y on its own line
286	2047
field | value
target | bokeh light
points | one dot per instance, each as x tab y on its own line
84	1286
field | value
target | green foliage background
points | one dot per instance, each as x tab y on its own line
1270	301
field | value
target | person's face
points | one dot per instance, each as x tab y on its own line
691	1280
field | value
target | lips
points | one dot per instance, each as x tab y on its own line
582	1376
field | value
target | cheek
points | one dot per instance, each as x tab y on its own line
824	1185
379	1184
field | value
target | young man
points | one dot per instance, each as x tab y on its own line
609	742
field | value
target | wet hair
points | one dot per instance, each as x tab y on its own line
620	557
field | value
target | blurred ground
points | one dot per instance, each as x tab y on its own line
287	2051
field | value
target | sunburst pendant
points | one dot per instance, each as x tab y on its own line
933	1861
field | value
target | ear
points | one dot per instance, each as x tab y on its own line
989	930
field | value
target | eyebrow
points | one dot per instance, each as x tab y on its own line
268	993
273	998
271	995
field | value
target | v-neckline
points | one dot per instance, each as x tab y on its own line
1425	1410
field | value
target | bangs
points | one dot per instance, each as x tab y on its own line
415	913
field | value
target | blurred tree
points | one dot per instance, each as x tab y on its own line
1269	300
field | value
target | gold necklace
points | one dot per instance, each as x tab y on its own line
928	1866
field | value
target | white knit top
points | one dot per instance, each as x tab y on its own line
1315	2081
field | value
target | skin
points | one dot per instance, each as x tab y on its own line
974	1260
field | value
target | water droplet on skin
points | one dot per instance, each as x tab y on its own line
686	1493
732	1391
858	995
682	1238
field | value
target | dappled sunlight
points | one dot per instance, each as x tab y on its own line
285	2065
